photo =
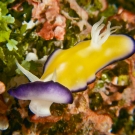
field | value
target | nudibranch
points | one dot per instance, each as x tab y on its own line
70	70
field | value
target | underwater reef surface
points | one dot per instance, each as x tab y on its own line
30	32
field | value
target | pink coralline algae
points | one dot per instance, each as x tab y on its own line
48	14
2	87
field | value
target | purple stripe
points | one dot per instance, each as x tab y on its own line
49	58
51	91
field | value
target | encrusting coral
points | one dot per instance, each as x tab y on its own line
3	109
48	15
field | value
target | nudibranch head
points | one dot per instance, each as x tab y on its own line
42	95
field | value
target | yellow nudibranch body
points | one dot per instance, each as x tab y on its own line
70	70
77	66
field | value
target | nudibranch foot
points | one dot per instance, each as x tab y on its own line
40	107
42	95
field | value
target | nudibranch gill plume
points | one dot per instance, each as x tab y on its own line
72	69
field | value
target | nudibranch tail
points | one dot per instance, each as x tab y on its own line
98	38
29	75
